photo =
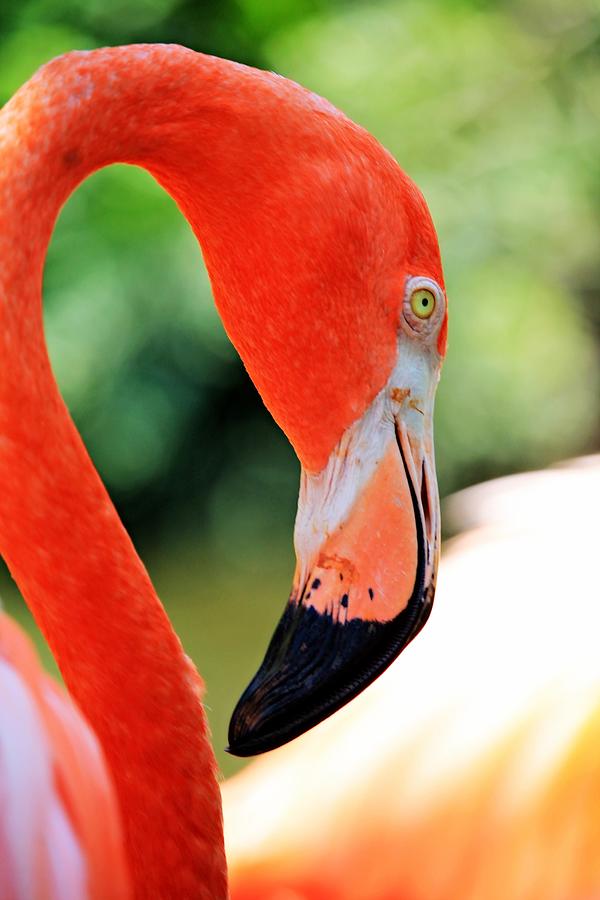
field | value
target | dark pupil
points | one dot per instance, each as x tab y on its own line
424	302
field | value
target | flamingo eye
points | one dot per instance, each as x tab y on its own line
423	307
422	303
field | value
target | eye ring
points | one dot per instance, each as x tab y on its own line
423	306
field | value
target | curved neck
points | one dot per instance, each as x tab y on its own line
59	532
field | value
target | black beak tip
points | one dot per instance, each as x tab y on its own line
241	750
315	665
250	729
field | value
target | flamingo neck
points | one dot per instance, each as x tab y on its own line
59	532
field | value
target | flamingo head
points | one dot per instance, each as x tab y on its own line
367	547
326	271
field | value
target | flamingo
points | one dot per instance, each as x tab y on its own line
326	272
472	770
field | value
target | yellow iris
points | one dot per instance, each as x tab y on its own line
422	303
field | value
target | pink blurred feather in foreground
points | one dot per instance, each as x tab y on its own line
60	833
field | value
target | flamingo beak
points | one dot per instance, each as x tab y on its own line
367	539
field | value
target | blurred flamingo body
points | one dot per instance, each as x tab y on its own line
472	770
314	239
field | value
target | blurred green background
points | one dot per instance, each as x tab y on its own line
493	108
